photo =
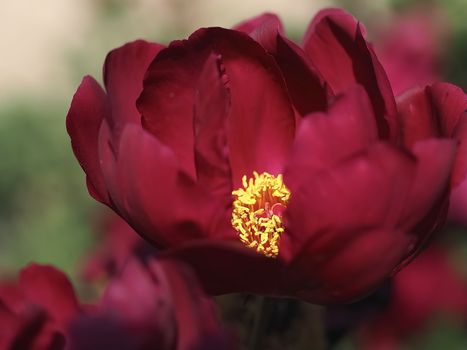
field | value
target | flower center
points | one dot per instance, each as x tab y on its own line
257	212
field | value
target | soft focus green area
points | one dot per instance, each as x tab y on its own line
45	209
46	214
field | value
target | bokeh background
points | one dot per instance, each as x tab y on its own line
47	46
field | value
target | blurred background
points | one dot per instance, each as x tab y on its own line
47	46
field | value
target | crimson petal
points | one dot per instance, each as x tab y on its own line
435	158
49	288
318	144
261	122
87	110
211	110
450	104
345	264
263	29
436	111
306	86
344	196
194	312
162	204
124	70
229	267
335	44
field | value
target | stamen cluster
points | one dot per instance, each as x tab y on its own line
257	212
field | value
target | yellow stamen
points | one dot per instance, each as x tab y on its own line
257	212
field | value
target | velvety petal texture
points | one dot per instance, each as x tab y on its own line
83	122
259	135
182	133
335	43
307	88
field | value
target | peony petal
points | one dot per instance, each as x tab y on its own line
49	288
11	327
365	191
458	204
425	209
194	313
450	104
436	111
87	110
318	144
264	29
229	267
261	123
163	205
211	110
435	158
344	265
335	45
135	300
124	70
306	86
416	117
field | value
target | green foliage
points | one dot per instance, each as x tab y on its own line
44	209
443	334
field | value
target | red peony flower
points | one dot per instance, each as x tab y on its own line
158	306
430	287
270	167
35	311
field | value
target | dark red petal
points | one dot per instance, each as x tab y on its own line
437	111
211	110
264	29
458	204
11	327
366	191
159	202
261	122
142	305
417	119
92	332
335	45
49	288
346	20
306	86
87	110
107	159
229	267
426	207
324	140
11	296
124	70
450	104
194	313
435	158
346	264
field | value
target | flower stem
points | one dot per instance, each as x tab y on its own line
262	312
286	323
